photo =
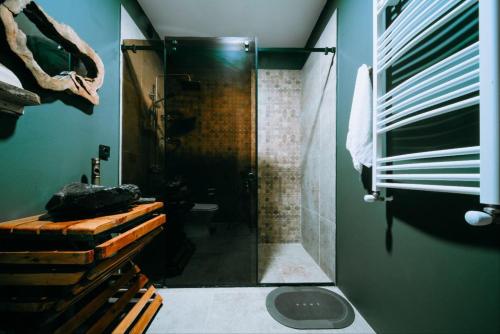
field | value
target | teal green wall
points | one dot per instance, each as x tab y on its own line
413	266
52	144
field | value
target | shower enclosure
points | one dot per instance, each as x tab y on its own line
189	139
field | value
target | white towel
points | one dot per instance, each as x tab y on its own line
7	76
359	136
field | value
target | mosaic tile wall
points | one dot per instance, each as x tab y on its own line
279	155
220	150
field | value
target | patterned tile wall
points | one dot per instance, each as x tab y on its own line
221	147
279	139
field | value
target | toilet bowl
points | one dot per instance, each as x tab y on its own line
199	218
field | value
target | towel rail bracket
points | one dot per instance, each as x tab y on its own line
375	196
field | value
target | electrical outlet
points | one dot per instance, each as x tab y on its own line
104	152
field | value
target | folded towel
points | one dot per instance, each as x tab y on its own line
359	136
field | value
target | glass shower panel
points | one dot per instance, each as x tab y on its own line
142	118
143	132
210	142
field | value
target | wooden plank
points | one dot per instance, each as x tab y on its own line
38	223
134	312
40	279
124	255
99	225
60	227
86	284
115	310
147	316
47	257
32	227
110	247
8	226
84	313
88	287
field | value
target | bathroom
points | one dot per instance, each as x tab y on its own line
238	117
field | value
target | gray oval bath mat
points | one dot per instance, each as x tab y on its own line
309	308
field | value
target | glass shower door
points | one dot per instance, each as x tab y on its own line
210	122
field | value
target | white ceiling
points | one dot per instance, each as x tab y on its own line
276	23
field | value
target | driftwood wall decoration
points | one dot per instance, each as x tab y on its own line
85	86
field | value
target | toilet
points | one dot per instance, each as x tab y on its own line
199	218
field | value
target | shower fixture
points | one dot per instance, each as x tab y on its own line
188	85
96	171
325	50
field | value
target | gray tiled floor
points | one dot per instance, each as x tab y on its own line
288	263
230	249
228	310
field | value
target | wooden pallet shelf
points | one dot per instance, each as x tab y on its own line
91	285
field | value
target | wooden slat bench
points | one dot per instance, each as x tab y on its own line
63	274
39	224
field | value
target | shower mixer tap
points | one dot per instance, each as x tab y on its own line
96	171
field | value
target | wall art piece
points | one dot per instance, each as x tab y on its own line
83	80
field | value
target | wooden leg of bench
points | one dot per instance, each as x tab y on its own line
147	316
87	287
89	309
134	312
117	307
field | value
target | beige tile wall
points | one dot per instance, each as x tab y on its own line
317	119
279	155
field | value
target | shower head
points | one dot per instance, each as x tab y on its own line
185	80
190	85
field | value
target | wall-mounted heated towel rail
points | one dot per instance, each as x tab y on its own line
461	76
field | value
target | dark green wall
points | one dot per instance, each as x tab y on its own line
413	266
281	60
52	144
